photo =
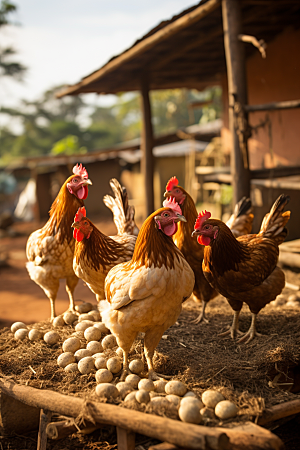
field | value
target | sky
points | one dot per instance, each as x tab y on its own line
62	41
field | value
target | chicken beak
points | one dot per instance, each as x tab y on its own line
195	233
88	181
167	194
75	225
181	218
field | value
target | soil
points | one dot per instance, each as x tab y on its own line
260	374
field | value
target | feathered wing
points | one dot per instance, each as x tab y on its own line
123	213
240	222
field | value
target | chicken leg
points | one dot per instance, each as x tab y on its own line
71	283
151	341
201	317
234	329
251	333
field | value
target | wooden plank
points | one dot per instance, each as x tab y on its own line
45	417
237	92
277	412
147	163
125	439
182	434
274	106
249	436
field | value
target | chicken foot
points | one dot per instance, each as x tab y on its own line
201	317
234	329
251	333
151	340
71	283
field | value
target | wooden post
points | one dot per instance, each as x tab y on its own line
147	162
45	417
237	91
126	439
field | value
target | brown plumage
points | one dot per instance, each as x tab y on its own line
240	222
244	269
50	249
95	253
146	293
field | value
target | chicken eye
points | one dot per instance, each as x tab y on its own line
165	214
206	227
75	180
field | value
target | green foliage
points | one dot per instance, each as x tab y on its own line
8	67
68	146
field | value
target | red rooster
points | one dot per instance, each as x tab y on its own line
240	223
146	293
244	269
50	249
95	253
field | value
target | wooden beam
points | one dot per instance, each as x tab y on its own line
274	106
144	45
147	163
182	434
237	92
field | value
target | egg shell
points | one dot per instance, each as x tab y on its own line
107	390
159	386
119	352
35	335
83	307
101	327
73	367
136	366
146	384
95	315
130	397
82	353
142	396
175	387
211	398
175	399
86	365
58	322
124	388
133	379
99	355
114	364
82	326
190	394
71	344
65	359
192	401
100	363
109	341
92	334
189	412
207	413
51	337
17	326
70	317
85	316
226	410
94	347
103	376
21	334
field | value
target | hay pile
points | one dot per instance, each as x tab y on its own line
251	374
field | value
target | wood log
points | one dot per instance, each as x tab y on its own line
63	428
178	433
277	412
274	106
249	436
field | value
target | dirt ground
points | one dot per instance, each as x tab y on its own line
193	353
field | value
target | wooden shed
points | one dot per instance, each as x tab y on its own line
219	42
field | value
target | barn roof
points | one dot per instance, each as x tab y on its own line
187	50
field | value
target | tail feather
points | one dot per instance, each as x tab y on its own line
240	222
123	213
273	224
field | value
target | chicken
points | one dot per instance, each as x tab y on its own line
50	249
95	253
240	223
244	269
146	294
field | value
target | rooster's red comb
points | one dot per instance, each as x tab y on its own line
80	214
204	215
171	203
80	171
171	183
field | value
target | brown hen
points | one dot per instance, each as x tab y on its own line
244	269
50	249
240	223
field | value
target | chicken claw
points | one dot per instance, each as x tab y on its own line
201	317
251	333
234	329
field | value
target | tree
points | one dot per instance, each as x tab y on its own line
8	67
